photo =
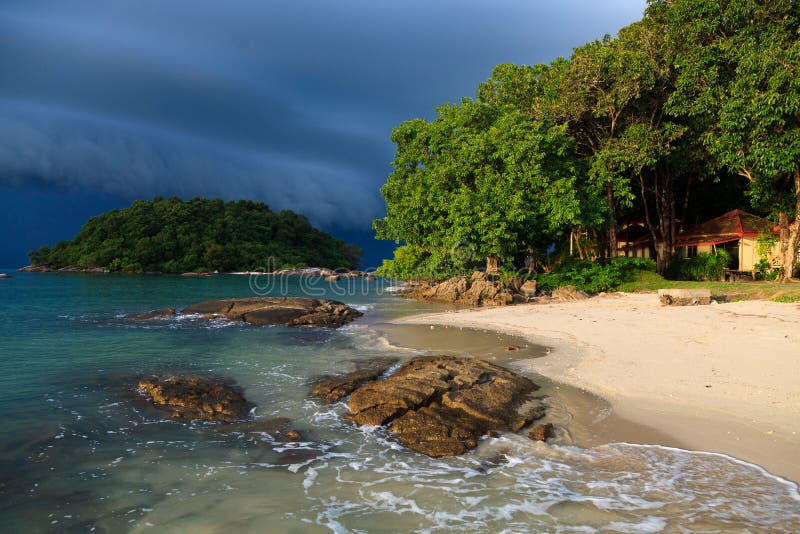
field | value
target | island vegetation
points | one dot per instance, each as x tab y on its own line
174	236
688	113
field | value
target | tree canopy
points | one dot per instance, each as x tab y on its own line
669	122
172	236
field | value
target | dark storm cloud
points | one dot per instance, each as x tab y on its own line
290	103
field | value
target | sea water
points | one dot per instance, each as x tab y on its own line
80	453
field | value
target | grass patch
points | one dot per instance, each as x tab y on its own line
650	281
786	298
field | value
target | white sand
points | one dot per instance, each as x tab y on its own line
723	377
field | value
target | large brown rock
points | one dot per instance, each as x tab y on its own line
441	405
279	310
479	289
196	398
331	389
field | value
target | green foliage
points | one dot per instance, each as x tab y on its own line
702	267
594	277
766	271
172	236
411	261
787	298
487	175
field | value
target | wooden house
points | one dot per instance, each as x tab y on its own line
736	232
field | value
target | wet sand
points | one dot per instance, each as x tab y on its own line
582	418
722	378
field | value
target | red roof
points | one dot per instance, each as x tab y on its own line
728	227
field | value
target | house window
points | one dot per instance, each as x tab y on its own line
691	251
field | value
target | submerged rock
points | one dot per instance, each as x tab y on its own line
541	432
442	405
334	388
155	314
196	398
279	310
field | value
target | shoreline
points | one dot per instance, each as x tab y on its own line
719	378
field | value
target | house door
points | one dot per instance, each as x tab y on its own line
732	248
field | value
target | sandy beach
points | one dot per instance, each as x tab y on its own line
722	377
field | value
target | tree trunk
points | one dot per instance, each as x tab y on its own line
663	256
492	264
612	222
790	234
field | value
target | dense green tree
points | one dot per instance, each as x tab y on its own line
172	235
738	65
489	176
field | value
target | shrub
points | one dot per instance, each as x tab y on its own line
594	277
702	267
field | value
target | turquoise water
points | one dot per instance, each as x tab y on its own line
79	452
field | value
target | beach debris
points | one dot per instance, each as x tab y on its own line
154	314
278	311
332	389
196	397
442	405
541	432
684	297
511	348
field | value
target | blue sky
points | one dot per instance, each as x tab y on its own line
290	103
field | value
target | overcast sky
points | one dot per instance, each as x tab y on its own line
291	103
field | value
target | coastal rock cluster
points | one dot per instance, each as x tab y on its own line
328	274
278	311
44	268
439	405
479	289
196	398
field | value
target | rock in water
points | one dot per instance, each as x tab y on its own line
334	388
196	397
541	432
442	405
155	314
279	310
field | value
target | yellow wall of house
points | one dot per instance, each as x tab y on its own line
748	254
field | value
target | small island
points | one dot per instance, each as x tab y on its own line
197	235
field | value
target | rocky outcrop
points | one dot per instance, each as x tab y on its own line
163	313
442	405
479	289
67	269
196	398
36	269
278	311
332	389
4	275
